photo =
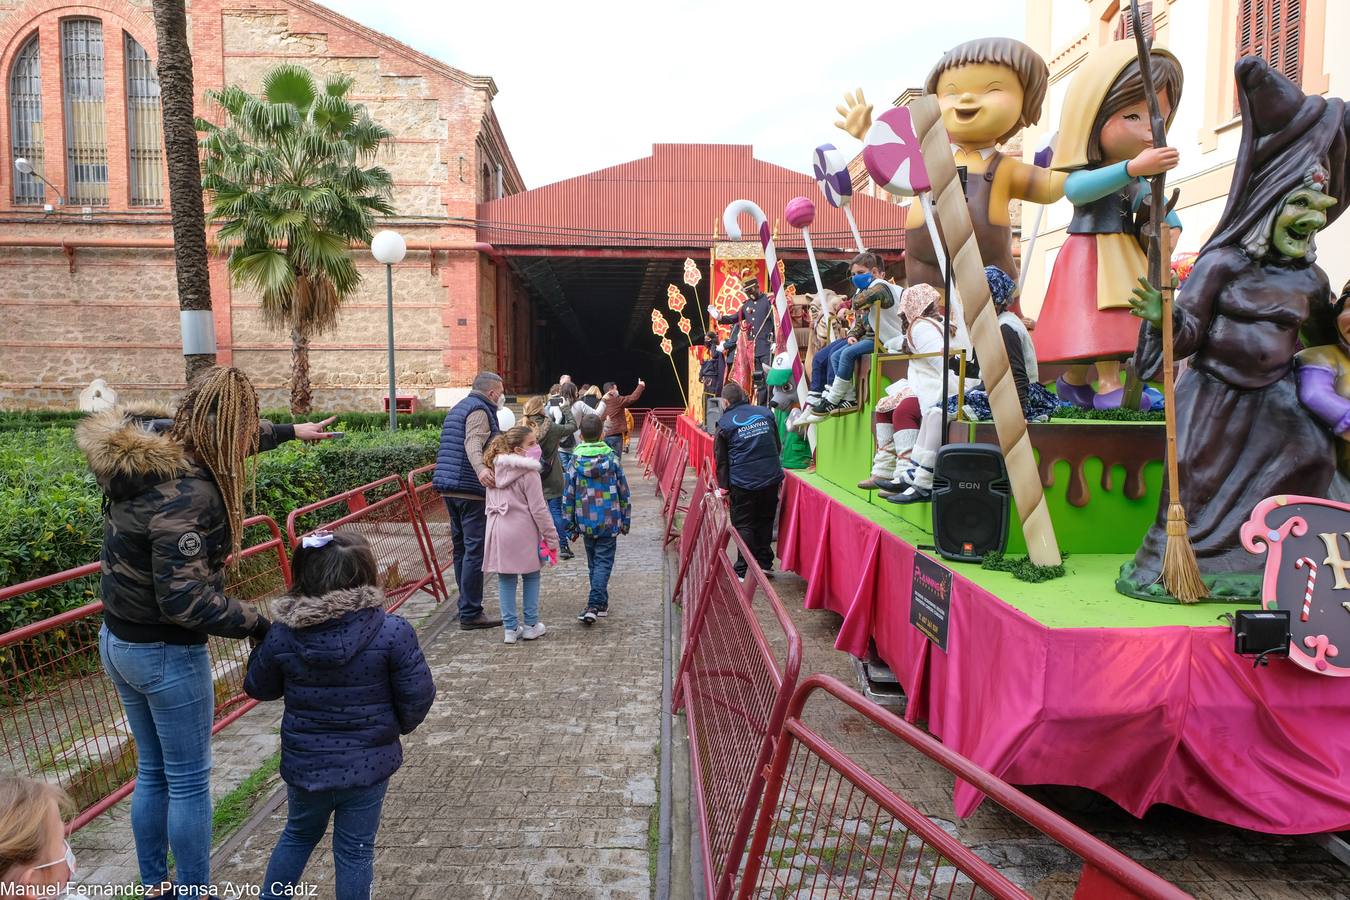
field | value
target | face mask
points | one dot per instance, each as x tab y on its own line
862	280
69	860
535	452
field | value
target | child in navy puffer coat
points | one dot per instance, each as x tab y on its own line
354	679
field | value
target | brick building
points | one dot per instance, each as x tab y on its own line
87	285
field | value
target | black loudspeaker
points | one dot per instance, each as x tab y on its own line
971	501
712	411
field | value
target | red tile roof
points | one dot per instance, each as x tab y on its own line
672	199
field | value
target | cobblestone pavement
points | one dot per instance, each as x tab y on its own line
535	773
1205	858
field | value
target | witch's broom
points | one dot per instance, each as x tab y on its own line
1180	571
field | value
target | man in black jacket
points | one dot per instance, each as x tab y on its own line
750	469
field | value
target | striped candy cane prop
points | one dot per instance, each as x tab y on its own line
835	182
982	320
1307	562
787	338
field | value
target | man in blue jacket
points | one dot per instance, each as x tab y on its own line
462	479
749	468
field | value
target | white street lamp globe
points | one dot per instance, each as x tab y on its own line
388	247
24	166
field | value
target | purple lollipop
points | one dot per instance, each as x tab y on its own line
831	171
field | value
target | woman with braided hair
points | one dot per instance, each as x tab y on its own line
173	512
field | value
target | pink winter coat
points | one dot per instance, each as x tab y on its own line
517	517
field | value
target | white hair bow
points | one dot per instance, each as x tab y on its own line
316	540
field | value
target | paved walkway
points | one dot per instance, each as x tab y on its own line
535	773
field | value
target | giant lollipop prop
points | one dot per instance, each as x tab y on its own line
981	318
893	159
1045	154
831	171
787	338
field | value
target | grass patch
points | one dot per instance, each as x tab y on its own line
1022	568
654	828
234	808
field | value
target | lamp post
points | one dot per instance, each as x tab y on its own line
26	168
388	247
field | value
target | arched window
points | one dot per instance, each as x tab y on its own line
86	127
144	125
25	121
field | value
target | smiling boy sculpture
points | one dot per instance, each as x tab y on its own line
989	90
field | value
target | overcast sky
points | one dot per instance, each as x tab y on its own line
585	85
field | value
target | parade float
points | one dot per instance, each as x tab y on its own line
1164	624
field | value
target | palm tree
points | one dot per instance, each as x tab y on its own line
180	153
292	185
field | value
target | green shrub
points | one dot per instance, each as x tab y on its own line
51	507
363	421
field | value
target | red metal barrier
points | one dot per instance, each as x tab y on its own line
666	415
660	446
673	479
385	514
703	536
60	717
827	828
735	693
433	520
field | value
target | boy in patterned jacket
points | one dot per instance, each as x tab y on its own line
595	506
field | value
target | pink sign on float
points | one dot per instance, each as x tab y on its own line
892	154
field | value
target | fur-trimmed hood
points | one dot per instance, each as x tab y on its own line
302	612
129	449
329	631
511	467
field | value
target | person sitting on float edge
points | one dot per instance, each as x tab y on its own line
871	286
750	470
35	860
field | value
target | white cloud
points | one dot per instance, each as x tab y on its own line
588	85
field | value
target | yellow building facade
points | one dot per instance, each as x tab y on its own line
1308	37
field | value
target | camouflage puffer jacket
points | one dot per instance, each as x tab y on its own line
165	532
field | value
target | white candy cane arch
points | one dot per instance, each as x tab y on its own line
787	338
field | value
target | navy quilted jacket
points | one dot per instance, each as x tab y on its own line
354	679
454	472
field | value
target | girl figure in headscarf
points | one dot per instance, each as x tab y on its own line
900	413
1255	292
1106	144
1038	404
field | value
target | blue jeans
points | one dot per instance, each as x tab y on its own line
468	524
356	818
555	510
506	594
847	356
166	690
615	442
600	560
822	368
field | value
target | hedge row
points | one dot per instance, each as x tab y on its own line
347	421
50	506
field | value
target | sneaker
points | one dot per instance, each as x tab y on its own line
534	632
822	407
566	553
843	407
587	617
602	613
512	635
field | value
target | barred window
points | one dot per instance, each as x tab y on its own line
145	153
25	121
86	127
1273	30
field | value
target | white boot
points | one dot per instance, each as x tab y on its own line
920	478
883	462
837	391
925	445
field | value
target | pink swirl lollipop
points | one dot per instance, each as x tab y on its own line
892	154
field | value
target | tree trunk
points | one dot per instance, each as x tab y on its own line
185	178
301	395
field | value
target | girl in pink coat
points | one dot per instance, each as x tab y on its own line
518	520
